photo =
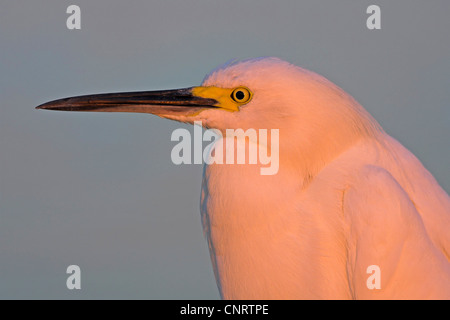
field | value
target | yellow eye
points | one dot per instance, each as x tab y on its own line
241	95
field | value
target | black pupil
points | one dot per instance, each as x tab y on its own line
240	95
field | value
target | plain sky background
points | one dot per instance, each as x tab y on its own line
100	190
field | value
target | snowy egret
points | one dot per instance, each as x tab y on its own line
347	198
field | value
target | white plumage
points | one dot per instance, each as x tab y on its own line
347	196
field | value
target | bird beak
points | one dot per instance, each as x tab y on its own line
165	102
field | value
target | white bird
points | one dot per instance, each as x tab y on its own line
348	205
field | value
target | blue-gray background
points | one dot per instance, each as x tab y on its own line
100	190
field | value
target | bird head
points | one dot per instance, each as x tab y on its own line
314	116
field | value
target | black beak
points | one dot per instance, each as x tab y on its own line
164	102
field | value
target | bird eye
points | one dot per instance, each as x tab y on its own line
241	95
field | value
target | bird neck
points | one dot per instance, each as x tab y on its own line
306	150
